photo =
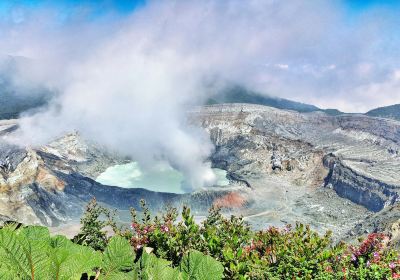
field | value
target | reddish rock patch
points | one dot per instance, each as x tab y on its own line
230	200
48	180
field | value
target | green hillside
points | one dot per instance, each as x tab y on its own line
12	105
389	112
17	99
238	94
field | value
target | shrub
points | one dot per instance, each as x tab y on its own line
299	252
288	253
217	236
166	247
371	260
92	231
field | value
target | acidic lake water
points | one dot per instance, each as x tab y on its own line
161	178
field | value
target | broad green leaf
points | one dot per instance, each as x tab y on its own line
122	276
118	257
36	244
7	274
196	266
30	253
25	251
153	268
73	260
12	254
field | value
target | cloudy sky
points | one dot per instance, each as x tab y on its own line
126	71
339	54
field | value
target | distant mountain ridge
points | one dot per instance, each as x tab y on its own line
389	112
14	100
239	94
13	104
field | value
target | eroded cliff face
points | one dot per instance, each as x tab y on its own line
284	166
311	167
357	156
20	171
360	188
32	190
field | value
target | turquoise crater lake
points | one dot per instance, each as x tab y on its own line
161	178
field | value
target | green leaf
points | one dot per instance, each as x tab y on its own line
197	266
73	260
118	257
12	255
228	254
7	274
122	276
153	268
30	253
25	251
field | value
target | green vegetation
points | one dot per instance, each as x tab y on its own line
172	246
30	253
13	104
389	112
239	94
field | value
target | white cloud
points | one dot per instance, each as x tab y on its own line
282	66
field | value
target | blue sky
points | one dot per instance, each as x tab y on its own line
70	7
362	5
101	7
120	5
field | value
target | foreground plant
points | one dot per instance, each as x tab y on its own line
289	253
166	247
30	253
93	222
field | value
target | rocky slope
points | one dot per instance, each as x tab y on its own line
333	172
309	167
51	185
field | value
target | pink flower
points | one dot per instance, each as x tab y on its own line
368	263
133	226
164	228
353	258
392	265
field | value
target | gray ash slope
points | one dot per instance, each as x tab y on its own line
333	172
